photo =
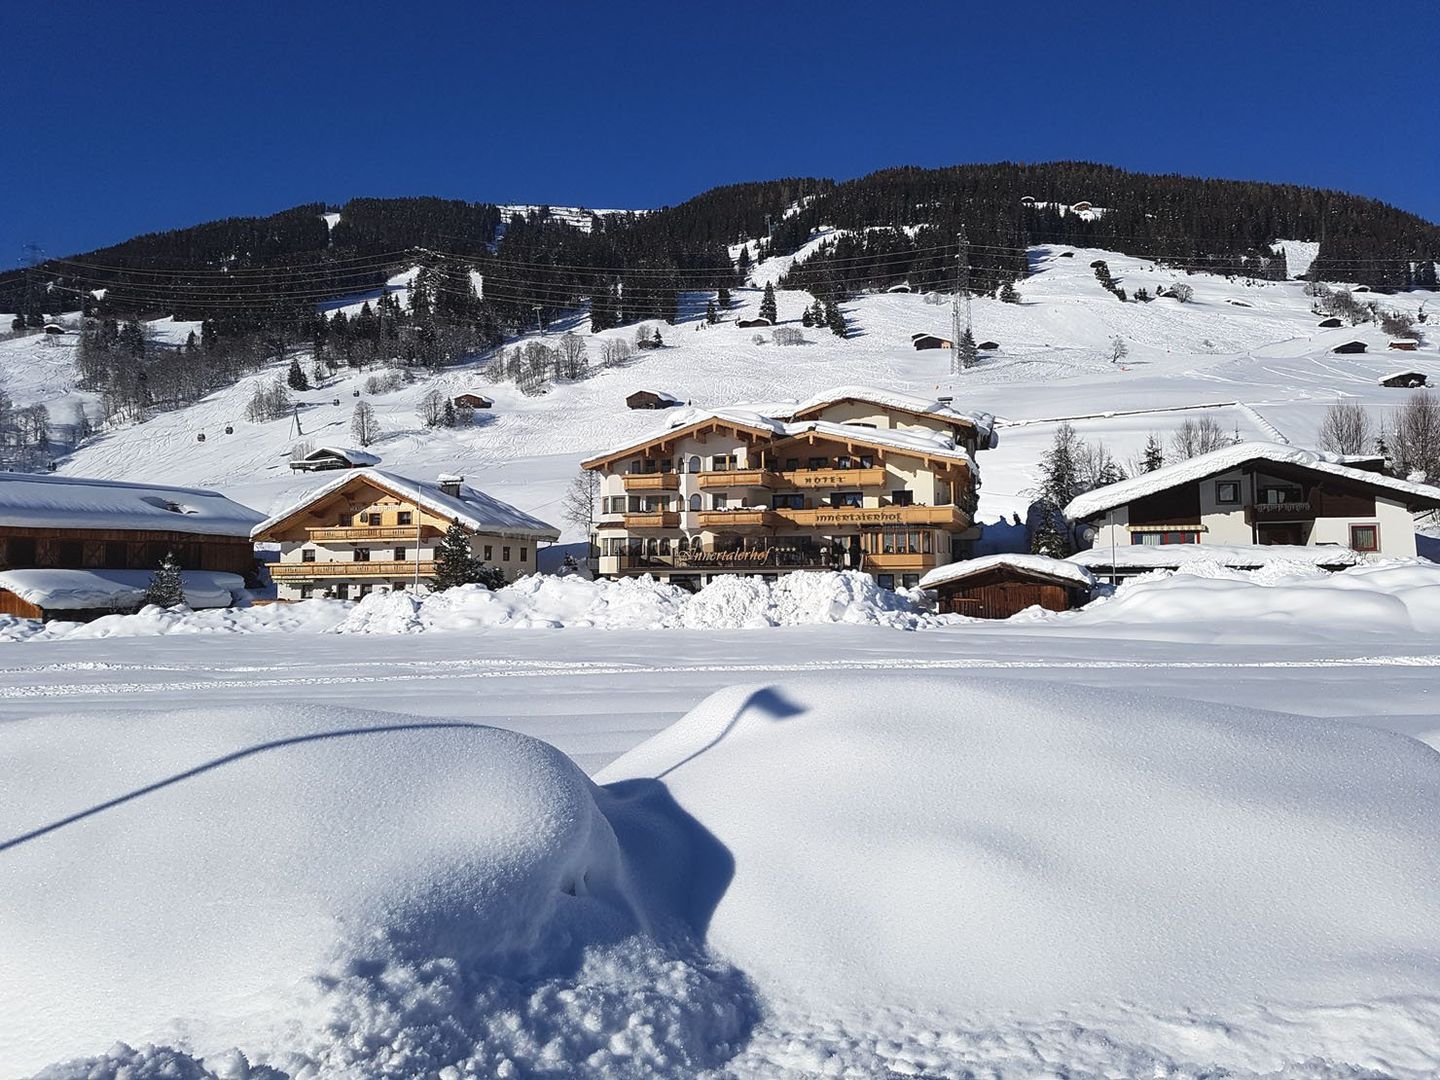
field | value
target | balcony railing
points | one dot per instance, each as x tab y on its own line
740	517
655	519
656	481
737	478
896	562
387	568
1281	511
833	478
372	532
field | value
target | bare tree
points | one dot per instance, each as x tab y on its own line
1118	349
1197	437
615	351
1397	324
1346	429
578	505
1413	437
1182	292
788	335
363	425
571	352
432	409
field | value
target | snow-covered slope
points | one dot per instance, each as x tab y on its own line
1265	370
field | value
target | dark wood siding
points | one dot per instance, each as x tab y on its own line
10	604
1004	592
1176	506
122	549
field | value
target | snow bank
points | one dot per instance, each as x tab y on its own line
1212	601
335	893
935	875
73	590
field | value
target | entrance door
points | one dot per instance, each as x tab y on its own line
1282	534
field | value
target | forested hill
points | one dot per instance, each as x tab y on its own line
895	225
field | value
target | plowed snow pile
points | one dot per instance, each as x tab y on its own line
935	876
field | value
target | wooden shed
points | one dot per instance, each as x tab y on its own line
929	341
1404	344
999	586
1331	323
1350	347
746	324
652	399
988	346
1404	380
474	401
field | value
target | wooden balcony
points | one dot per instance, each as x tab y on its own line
899	564
1260	513
301	571
656	481
737	478
377	533
657	519
946	517
833	478
747	517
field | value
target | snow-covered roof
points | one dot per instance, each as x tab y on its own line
118	590
472	508
1233	457
357	458
1236	556
660	395
67	502
1402	373
928	443
891	399
1071	572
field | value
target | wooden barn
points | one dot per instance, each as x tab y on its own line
999	586
1404	380
326	458
746	324
652	399
79	548
1349	347
903	287
929	341
474	401
988	346
1331	323
1404	344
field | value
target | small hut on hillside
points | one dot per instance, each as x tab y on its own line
1404	344
999	586
326	458
1331	323
474	401
652	399
1404	380
746	324
929	341
1349	347
988	346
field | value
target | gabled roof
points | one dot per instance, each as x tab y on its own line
72	502
473	509
1068	573
355	457
921	444
982	422
1227	458
682	422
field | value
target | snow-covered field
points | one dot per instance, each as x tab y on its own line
1187	831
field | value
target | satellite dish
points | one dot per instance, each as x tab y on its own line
1089	533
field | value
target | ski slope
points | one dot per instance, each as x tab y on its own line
1264	370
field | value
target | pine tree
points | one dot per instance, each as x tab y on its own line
742	264
1049	537
806	319
1008	294
447	415
711	316
767	304
456	564
296	377
165	586
1154	454
723	296
969	353
834	319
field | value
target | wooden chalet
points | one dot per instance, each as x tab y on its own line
987	346
1404	380
1332	323
999	586
473	401
79	548
929	341
329	458
1404	345
652	399
1349	347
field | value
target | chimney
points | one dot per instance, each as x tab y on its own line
450	483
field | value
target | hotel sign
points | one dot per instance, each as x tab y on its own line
859	516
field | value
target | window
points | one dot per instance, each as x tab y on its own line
791	464
20	551
694	463
910	581
400	554
307	554
373	519
695	501
505	554
1227	491
788	502
1155	539
525	553
307	592
867	461
404	517
1365	538
847	498
489	552
71	553
902	498
346	520
885	581
722	462
362	554
342	591
719	501
819	463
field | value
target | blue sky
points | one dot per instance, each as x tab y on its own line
121	118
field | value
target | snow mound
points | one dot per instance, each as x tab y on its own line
929	871
804	599
336	893
1208	600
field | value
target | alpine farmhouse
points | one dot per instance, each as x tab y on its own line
369	530
853	478
1252	496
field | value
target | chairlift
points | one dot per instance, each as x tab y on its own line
200	437
229	429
